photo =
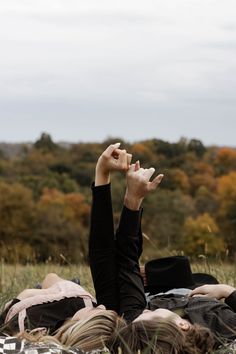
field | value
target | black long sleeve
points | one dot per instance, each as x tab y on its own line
102	248
114	262
129	248
231	300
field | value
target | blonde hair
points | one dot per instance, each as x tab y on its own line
97	331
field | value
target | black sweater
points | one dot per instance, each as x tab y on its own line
114	258
114	262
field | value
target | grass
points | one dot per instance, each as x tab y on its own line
15	278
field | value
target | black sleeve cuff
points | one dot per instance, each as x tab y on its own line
99	189
231	300
130	221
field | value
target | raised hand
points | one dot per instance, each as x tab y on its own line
139	185
112	159
216	291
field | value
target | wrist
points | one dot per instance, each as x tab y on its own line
228	290
132	203
101	177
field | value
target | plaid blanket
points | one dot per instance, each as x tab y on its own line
14	345
227	349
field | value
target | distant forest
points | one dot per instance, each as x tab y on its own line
45	199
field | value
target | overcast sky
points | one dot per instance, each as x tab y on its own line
83	70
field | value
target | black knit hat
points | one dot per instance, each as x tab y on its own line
168	273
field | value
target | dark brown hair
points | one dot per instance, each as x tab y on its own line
160	336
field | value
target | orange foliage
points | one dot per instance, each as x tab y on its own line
142	152
226	188
203	176
226	159
73	204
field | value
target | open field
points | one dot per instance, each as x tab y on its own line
14	278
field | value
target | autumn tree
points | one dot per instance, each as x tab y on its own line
205	201
226	191
201	236
175	178
225	160
202	175
16	221
164	216
143	153
61	225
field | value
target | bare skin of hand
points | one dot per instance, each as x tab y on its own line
139	185
112	159
216	291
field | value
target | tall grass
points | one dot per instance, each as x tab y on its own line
15	278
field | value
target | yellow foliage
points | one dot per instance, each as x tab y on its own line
73	204
226	156
201	235
226	188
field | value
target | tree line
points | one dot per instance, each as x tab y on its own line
45	199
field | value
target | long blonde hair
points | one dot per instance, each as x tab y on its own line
97	331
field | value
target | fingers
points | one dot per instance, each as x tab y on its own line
157	180
148	172
129	158
145	174
137	165
199	295
119	159
115	159
198	290
132	168
111	148
123	160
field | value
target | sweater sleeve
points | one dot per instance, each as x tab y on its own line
102	248
129	247
231	300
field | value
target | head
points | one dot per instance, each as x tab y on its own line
164	336
94	330
160	313
88	330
